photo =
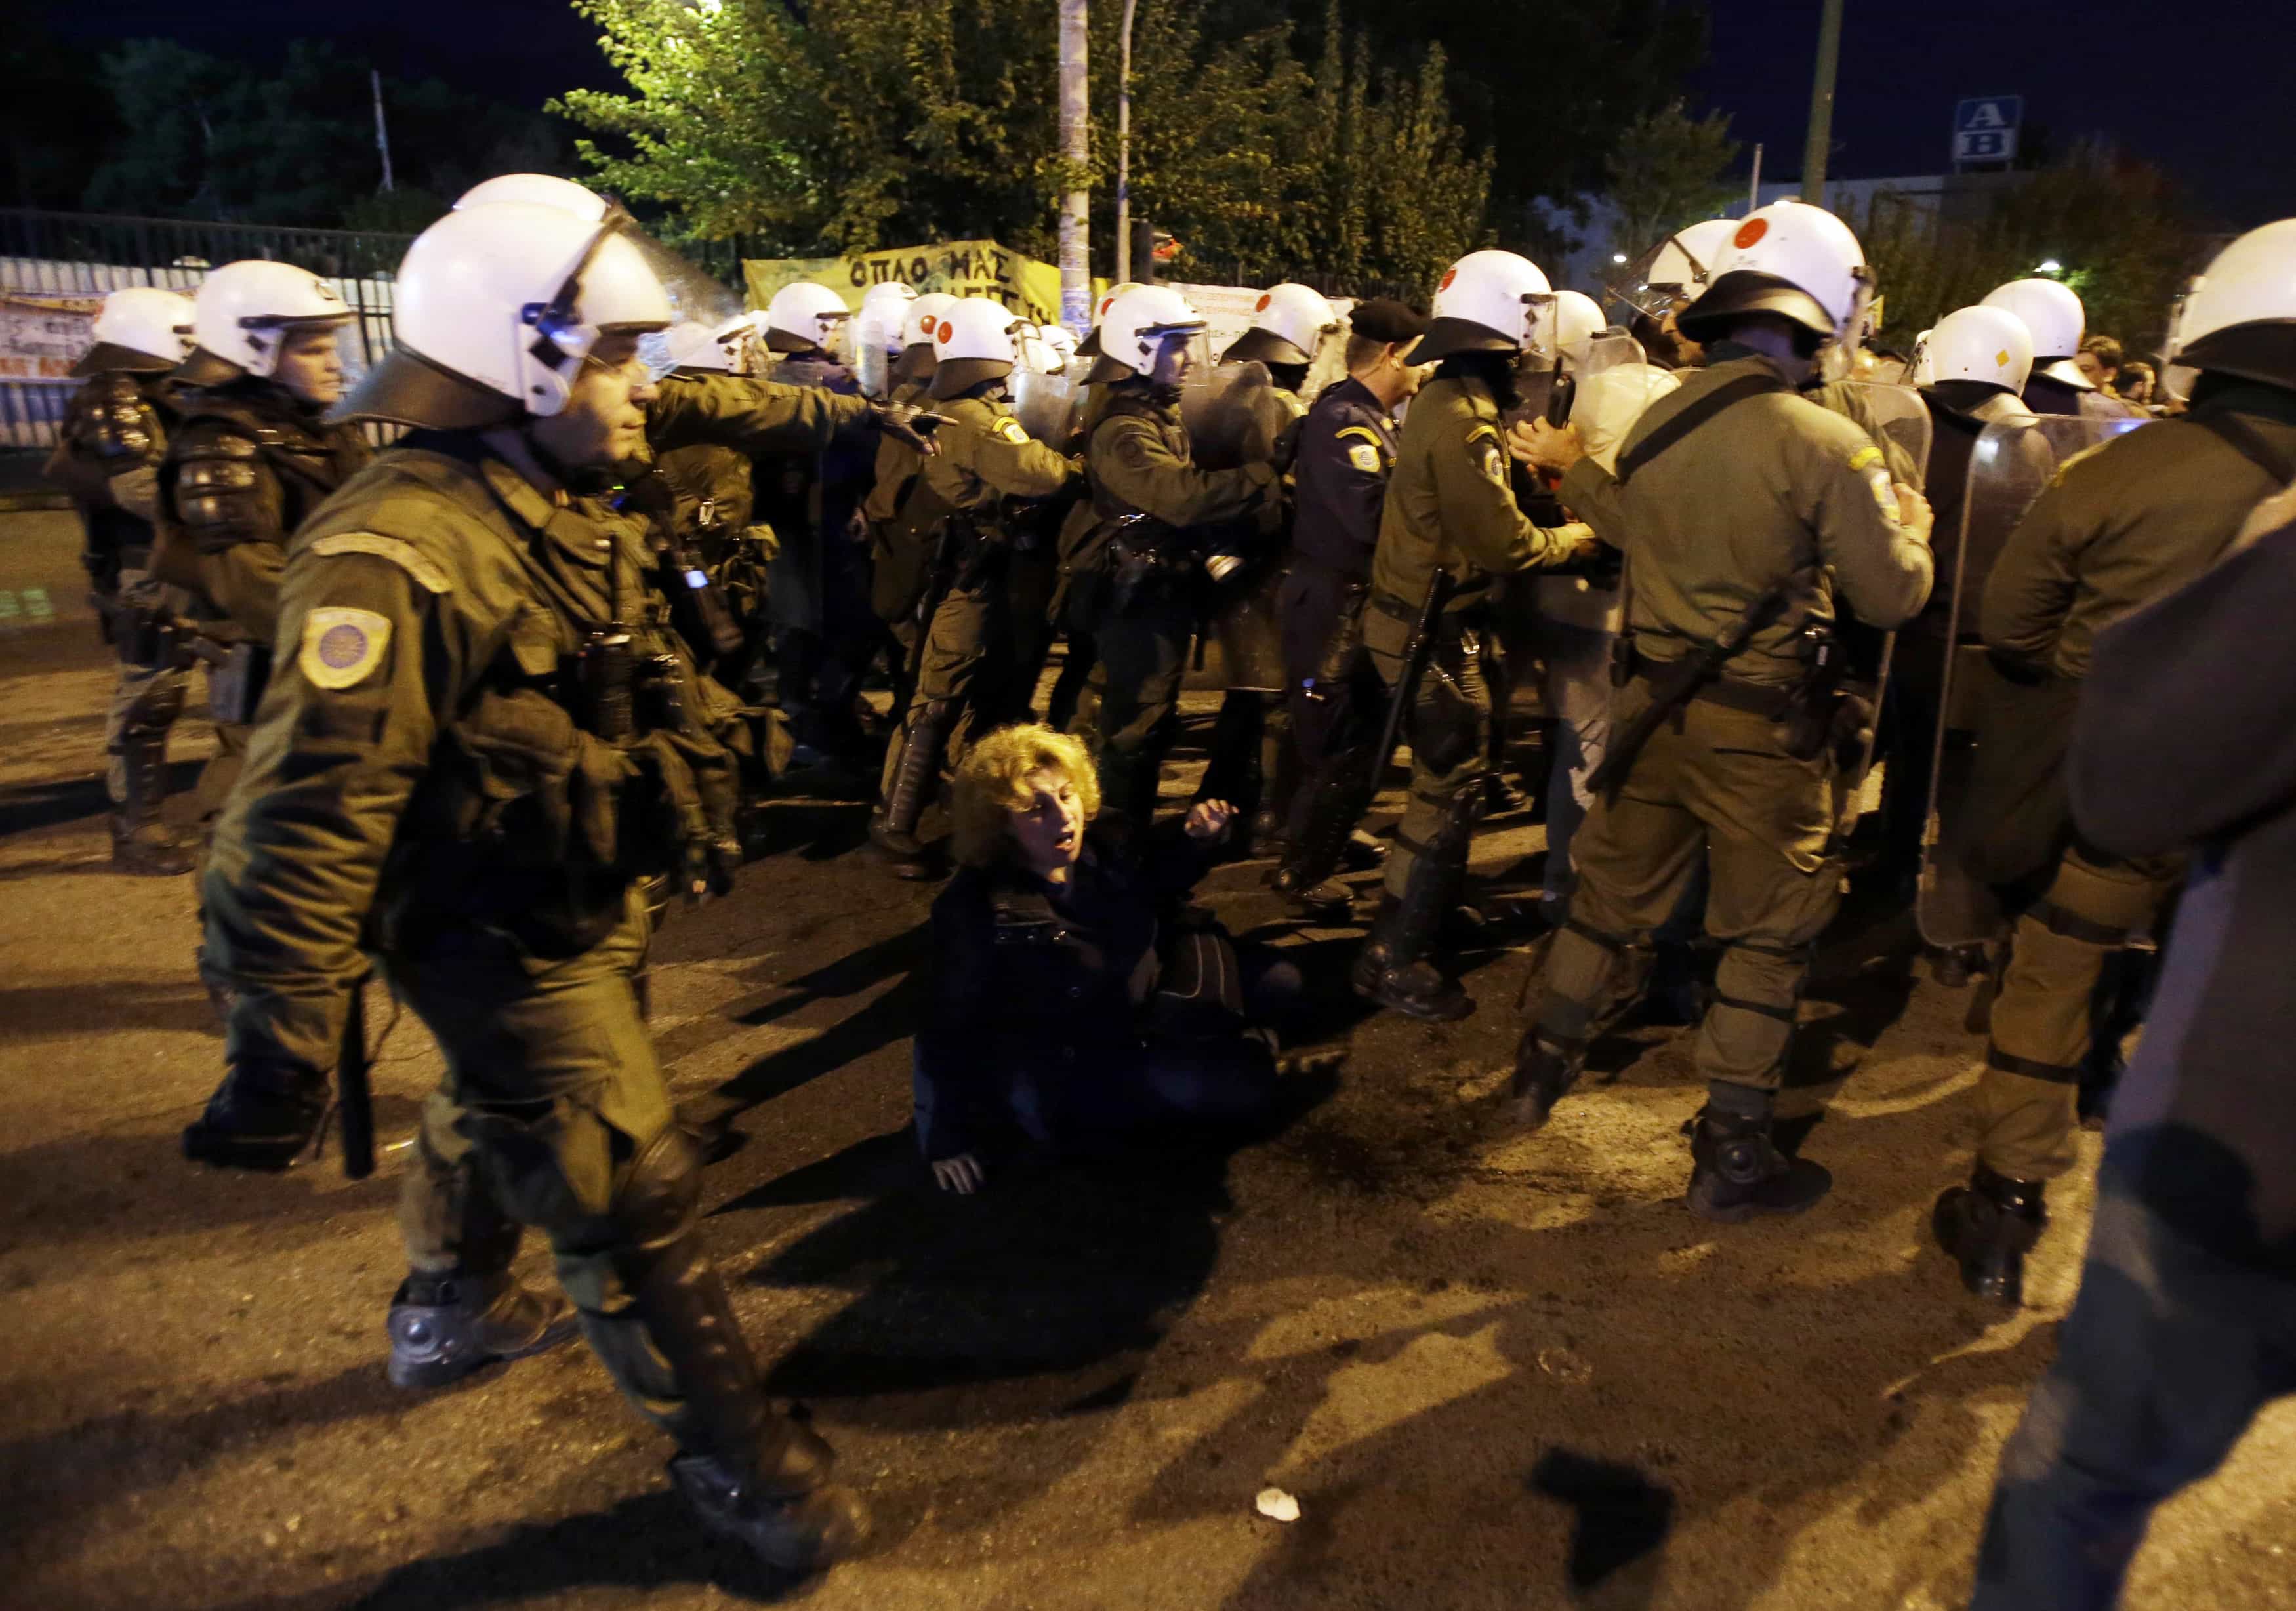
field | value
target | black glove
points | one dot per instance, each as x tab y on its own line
262	1117
907	423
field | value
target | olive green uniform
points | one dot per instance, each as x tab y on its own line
1131	563
420	788
107	459
2121	525
1450	507
245	468
703	428
899	558
1772	485
985	457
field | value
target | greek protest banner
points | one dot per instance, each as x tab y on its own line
963	268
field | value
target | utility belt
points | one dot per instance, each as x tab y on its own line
239	668
1149	558
1815	713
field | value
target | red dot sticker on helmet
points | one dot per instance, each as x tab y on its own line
1448	275
1260	306
1749	232
947	330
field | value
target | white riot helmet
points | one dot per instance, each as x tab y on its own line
884	319
2240	316
541	190
1577	319
1490	302
804	316
923	322
2053	313
1060	343
1136	328
1919	372
497	308
1289	325
721	348
1987	343
972	342
1089	348
1792	259
1677	268
142	328
244	314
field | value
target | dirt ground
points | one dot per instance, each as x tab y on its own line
1496	1372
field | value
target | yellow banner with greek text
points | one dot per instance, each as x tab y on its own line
963	268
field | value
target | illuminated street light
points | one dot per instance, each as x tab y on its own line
1618	257
2051	267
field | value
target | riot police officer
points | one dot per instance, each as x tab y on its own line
2119	527
1450	525
477	746
829	636
958	511
1133	558
1975	362
107	459
1292	329
2052	313
1347	451
1721	739
897	566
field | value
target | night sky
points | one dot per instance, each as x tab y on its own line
2201	88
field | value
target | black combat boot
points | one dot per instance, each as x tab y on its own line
444	1326
789	1513
1393	969
142	842
1303	875
893	827
1737	1171
1542	1078
1989	1226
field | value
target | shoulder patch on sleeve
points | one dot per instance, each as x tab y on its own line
1363	457
342	646
399	552
1011	428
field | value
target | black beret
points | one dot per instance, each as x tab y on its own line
1385	319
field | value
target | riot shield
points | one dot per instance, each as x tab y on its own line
1249	633
2012	463
874	348
1045	393
1612	382
1235	416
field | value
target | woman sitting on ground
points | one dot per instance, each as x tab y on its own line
1076	1003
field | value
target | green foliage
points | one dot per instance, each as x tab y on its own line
1669	169
868	123
198	136
2118	228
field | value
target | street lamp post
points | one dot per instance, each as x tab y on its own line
1821	105
1076	151
1124	148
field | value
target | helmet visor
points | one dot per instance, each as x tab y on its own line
1175	353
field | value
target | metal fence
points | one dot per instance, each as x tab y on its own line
88	254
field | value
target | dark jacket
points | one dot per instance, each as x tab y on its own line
1347	451
2187	740
1035	986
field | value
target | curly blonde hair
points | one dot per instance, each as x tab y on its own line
993	782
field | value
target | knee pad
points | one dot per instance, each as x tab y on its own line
660	1198
157	707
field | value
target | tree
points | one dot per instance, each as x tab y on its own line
203	137
865	123
2119	226
1669	169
